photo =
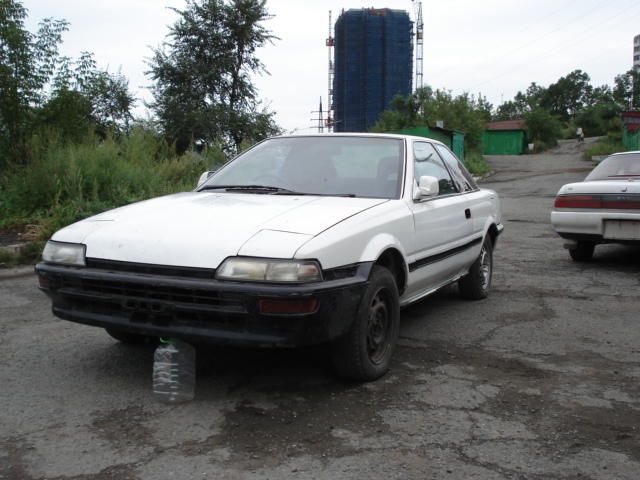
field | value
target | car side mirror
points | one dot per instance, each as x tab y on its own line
204	177
427	187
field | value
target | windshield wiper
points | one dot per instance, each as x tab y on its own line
249	188
624	176
271	190
311	194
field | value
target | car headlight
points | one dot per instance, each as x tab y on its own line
64	253
266	270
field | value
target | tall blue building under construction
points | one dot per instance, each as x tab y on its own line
373	63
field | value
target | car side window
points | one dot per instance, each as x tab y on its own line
457	169
427	162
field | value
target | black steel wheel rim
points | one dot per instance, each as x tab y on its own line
379	327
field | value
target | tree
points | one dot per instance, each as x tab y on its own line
522	103
626	90
27	63
102	102
568	95
596	120
41	90
427	106
203	91
543	127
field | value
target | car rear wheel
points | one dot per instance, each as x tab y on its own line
130	338
365	352
583	252
475	285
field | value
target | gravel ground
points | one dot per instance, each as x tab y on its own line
538	381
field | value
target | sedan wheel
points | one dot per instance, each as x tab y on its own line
475	285
583	252
364	353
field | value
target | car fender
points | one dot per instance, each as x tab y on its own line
381	243
362	238
491	223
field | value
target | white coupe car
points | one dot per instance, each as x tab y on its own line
299	240
604	208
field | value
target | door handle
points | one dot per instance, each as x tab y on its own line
467	213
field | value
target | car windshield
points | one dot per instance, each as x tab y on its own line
616	167
321	165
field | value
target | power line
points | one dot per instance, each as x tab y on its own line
544	35
550	52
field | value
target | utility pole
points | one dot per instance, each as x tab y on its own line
320	119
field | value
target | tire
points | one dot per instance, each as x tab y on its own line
476	284
130	338
583	251
364	352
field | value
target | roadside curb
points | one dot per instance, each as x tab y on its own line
9	273
485	176
14	249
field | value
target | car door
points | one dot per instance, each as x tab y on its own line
480	205
442	229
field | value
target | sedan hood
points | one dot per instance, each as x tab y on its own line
200	229
602	186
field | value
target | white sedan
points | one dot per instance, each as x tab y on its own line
604	208
299	240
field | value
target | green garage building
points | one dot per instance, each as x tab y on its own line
454	139
631	130
506	137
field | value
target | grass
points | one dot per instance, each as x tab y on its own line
476	164
612	143
68	182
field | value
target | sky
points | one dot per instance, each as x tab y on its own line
493	47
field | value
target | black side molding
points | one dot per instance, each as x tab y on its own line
442	255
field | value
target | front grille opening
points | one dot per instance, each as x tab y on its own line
150	292
164	270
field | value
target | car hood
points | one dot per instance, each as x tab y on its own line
602	186
200	229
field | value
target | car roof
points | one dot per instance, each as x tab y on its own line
367	135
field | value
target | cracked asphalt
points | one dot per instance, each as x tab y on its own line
539	381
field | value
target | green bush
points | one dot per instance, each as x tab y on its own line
612	143
476	164
67	182
543	127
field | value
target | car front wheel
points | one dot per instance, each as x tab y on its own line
475	285
583	252
364	353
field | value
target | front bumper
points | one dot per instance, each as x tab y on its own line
202	309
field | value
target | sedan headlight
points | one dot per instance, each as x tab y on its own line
266	270
64	253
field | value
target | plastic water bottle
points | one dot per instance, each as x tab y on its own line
174	371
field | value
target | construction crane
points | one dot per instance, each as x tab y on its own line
330	43
417	7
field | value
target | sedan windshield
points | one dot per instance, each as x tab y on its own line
618	167
322	165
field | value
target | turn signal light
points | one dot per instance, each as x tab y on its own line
43	281
288	307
